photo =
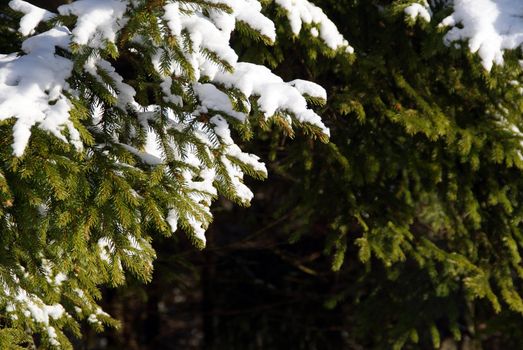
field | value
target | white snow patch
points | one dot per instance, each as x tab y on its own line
172	220
98	20
212	98
419	10
302	11
32	86
274	94
33	15
306	87
489	26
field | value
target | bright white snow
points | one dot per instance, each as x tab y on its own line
98	20
419	10
489	26
301	12
274	94
32	15
32	85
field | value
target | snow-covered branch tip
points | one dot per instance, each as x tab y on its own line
489	26
98	23
150	93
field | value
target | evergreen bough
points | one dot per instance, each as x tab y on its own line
417	197
118	121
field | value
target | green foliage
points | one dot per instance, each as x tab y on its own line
75	218
417	198
409	222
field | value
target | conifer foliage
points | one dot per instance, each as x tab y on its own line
118	121
417	198
122	119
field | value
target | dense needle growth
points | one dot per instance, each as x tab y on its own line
117	124
122	120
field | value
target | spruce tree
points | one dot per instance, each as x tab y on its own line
416	199
119	121
123	120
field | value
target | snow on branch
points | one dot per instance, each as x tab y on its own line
301	12
156	90
100	21
33	15
419	10
489	26
32	88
